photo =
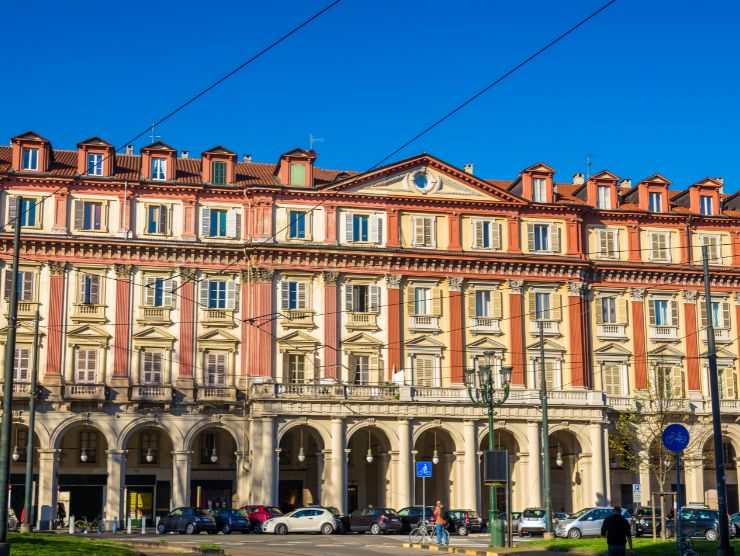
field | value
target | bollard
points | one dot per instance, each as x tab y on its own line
128	527
143	525
71	525
114	526
156	525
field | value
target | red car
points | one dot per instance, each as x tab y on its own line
257	515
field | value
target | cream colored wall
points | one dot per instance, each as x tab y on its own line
593	244
113	214
531	335
560	224
407	231
468	235
675	243
598	342
44	207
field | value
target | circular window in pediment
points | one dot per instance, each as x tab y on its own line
422	181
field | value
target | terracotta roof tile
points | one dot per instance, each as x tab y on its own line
5	154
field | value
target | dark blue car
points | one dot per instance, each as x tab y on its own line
228	521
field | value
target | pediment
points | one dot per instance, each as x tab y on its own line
88	331
540	168
549	346
486	344
612	349
722	353
219	149
298	337
425	177
154	334
605	175
30	136
362	340
665	351
657	178
218	335
94	141
158	146
425	342
23	330
709	182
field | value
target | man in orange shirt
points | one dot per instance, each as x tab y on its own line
440	524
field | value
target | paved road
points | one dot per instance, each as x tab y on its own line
309	545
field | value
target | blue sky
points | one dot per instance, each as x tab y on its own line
646	87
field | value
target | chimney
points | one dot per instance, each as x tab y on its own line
469	168
247	158
185	154
129	149
721	185
625	184
578	179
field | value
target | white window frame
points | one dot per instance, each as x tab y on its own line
610	312
159	168
604	197
83	375
22	374
655	201
97	164
539	190
33	159
610	237
428	238
665	253
293	371
708	205
360	367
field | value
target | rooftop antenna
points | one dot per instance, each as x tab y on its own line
312	140
153	134
588	166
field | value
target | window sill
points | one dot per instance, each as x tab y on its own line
215	393
84	392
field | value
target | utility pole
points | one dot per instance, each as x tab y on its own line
545	437
7	423
28	499
719	465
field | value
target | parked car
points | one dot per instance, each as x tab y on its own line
700	522
586	522
228	521
735	522
532	521
412	515
375	520
302	520
465	521
342	519
643	522
558	517
258	514
188	520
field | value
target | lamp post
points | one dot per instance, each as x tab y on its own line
482	392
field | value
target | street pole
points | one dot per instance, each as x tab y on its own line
678	503
719	465
7	423
494	537
28	500
545	438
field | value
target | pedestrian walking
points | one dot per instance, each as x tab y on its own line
440	524
618	533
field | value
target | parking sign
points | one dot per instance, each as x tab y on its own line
423	469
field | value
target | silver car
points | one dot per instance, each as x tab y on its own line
585	523
531	521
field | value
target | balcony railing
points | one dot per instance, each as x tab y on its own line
84	392
486	325
297	318
362	321
154	315
549	327
151	393
424	322
720	335
218	317
325	391
216	394
611	331
89	313
21	390
664	332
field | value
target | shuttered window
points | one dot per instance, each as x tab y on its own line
360	366
608	311
613	380
728	383
22	364
424	231
361	298
218	172
90	293
543	238
484	303
89	216
424	371
552	374
668	383
152	363
663	312
714	250
86	366
25	284
720	311
296	368
609	243
293	295
660	246
215	368
28	212
486	234
158	292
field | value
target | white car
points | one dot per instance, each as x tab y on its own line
302	520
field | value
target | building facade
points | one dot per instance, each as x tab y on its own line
219	331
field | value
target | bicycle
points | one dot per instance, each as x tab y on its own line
422	533
84	526
685	548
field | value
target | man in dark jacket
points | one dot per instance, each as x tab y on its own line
618	533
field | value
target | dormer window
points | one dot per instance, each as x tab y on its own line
159	169
218	172
706	205
655	201
539	190
94	164
297	174
30	159
604	200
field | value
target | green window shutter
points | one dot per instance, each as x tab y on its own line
297	174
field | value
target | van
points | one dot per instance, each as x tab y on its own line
586	522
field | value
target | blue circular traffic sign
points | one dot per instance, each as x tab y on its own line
675	437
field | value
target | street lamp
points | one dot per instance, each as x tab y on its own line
83	456
301	453
482	392
149	455
369	457
435	454
214	455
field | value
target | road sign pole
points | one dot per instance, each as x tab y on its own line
678	502
424	496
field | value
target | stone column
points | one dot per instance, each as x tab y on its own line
598	471
332	370
645	486
269	460
534	469
403	479
338	476
516	333
692	338
694	475
115	485
242	381
457	366
122	334
638	335
181	461
578	352
47	488
470	480
242	479
395	317
53	373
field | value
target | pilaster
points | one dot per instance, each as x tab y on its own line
638	331
122	334
115	485
516	332
185	378
692	338
395	317
332	369
457	368
578	352
53	373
